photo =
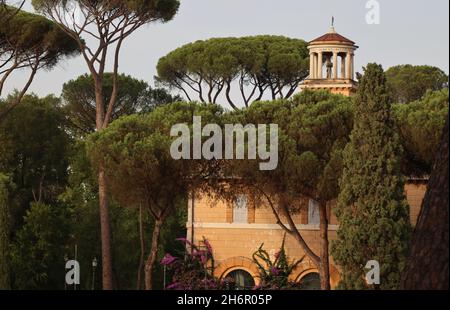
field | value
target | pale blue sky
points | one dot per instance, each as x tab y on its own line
411	31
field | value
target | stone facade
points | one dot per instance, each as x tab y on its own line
235	240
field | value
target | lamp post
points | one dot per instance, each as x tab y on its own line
94	266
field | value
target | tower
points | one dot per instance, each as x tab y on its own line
332	64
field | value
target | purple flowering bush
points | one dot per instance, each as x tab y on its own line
194	269
275	273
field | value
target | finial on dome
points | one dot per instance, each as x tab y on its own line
332	30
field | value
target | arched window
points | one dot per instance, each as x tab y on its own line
242	279
310	282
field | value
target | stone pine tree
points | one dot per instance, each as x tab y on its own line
4	233
101	28
372	211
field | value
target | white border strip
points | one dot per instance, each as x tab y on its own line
256	226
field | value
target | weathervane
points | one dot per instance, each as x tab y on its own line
332	21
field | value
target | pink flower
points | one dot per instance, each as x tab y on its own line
203	258
275	271
168	260
208	246
277	255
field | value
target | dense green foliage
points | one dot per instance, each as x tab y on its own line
163	10
36	153
409	83
5	185
420	126
81	197
311	135
37	254
29	41
250	66
372	211
135	152
44	164
28	33
275	273
134	96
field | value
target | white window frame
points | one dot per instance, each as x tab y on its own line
240	210
313	212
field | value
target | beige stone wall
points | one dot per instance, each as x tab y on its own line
234	244
346	91
415	193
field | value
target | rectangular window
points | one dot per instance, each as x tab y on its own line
240	210
313	212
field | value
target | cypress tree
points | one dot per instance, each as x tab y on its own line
372	210
4	233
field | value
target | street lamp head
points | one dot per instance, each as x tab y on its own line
94	262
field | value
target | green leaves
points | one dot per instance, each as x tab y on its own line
372	211
314	128
135	150
5	188
420	125
144	10
37	254
134	96
275	274
29	41
257	64
409	83
28	33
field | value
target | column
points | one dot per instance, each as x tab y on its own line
311	65
342	67
352	72
320	66
315	66
335	65
348	66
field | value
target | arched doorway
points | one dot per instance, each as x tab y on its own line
242	279
310	281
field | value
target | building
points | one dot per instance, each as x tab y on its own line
236	230
332	64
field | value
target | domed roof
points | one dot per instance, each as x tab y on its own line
332	36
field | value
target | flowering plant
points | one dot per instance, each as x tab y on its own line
275	273
194	270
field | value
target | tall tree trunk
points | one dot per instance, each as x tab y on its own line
141	259
107	272
427	267
153	253
105	230
324	268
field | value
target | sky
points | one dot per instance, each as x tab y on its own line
410	32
